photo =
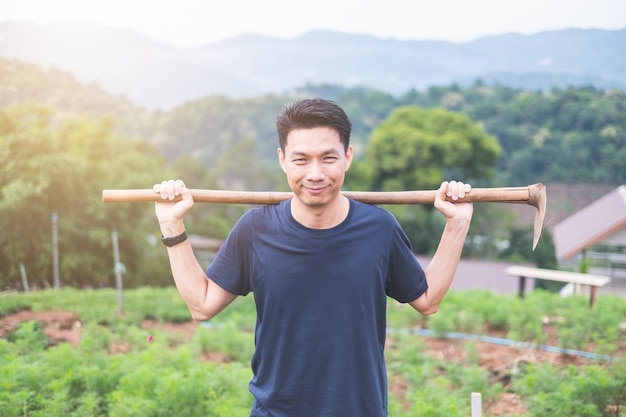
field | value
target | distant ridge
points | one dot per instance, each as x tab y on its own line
156	75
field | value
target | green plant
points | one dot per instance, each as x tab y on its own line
29	337
10	304
592	391
116	371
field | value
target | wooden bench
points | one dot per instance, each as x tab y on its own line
593	281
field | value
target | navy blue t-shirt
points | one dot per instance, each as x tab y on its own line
321	299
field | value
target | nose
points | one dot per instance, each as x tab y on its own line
315	171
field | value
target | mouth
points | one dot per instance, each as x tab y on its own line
315	190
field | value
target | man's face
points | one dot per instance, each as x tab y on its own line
315	163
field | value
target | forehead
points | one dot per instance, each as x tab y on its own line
313	140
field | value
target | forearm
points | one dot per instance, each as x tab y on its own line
441	270
190	279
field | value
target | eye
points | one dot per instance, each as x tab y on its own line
330	159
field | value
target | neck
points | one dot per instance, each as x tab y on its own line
320	217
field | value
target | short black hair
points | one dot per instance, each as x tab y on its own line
310	113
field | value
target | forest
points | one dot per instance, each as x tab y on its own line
63	142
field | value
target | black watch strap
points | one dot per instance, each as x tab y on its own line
174	240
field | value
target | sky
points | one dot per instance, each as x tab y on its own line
189	23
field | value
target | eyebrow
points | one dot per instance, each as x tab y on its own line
331	151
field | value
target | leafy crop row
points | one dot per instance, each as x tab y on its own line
120	368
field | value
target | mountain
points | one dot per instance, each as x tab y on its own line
157	75
22	83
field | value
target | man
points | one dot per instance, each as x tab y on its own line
320	267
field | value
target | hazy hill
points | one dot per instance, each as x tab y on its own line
28	83
154	74
21	82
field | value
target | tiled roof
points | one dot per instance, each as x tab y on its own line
593	224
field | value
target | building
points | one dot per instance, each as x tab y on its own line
596	234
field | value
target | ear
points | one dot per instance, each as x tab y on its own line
349	154
281	159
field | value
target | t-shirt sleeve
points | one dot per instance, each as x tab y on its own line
231	267
406	280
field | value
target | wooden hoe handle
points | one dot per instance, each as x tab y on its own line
534	195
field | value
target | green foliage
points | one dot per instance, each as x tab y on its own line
418	149
29	337
58	159
100	306
180	386
153	380
593	391
209	127
568	135
433	387
61	167
599	327
491	231
10	305
227	339
564	135
160	378
520	249
116	371
472	311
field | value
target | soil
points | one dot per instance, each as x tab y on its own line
500	360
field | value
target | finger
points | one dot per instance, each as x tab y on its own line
443	190
162	189
168	190
466	189
461	189
180	187
453	190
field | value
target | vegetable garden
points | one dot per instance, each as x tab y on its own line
69	352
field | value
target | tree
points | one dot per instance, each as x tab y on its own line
417	149
50	165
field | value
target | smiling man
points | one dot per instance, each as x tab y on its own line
321	267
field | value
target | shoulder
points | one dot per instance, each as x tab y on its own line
261	212
375	220
259	217
374	213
